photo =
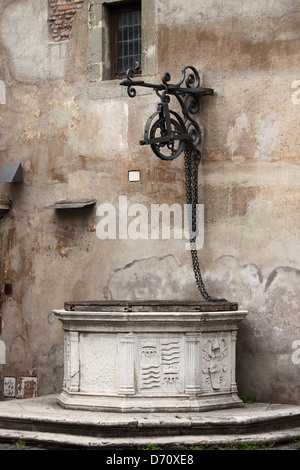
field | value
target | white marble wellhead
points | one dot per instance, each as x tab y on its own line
149	360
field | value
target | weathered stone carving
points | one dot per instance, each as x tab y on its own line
215	352
164	360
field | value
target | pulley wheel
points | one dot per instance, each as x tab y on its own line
174	146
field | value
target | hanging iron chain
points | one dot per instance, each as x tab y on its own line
192	158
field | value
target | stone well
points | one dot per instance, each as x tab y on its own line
149	356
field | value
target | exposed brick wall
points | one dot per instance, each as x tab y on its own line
60	17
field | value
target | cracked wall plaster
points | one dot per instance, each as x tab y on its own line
160	278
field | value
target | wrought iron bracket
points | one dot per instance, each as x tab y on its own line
169	134
166	131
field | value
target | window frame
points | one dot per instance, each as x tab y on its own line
114	10
100	84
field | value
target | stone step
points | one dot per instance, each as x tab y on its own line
179	442
144	426
42	421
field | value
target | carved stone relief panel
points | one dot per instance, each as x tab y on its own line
97	365
216	357
161	365
171	356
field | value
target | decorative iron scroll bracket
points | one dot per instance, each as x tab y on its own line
166	131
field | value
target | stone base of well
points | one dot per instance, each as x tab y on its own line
149	356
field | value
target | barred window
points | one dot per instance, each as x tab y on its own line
125	20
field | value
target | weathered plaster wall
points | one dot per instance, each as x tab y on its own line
76	143
249	53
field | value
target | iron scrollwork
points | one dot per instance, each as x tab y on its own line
166	131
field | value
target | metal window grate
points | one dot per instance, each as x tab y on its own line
129	41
